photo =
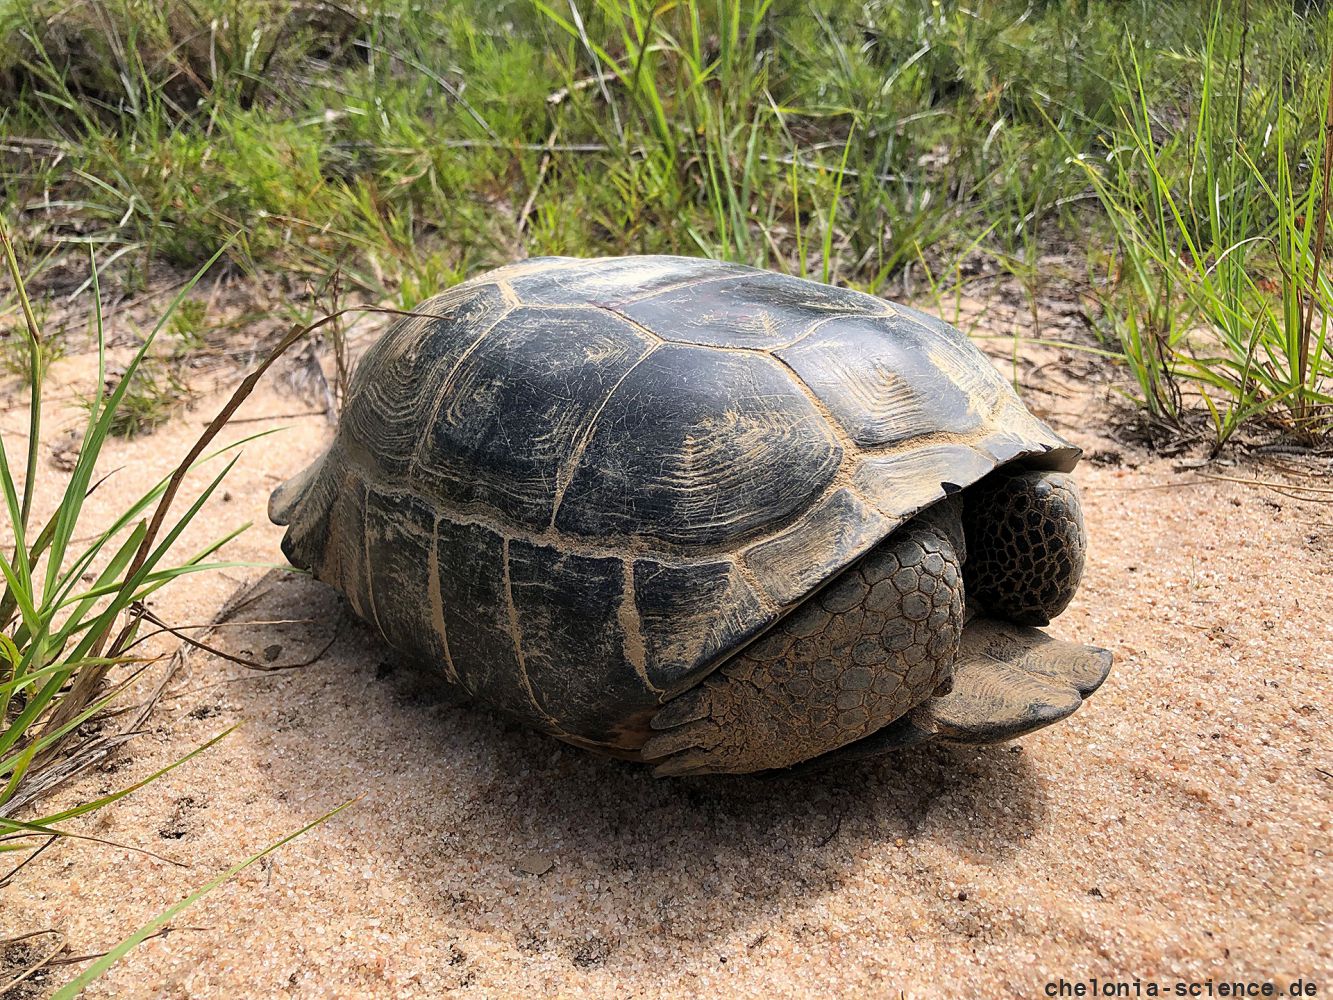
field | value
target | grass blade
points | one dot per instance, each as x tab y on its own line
71	990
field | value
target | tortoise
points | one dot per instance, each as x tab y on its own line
702	515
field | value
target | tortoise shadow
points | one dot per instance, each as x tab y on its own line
501	828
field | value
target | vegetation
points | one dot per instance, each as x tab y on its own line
67	611
409	145
1220	231
71	608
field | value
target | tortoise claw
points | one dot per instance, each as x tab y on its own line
683	729
684	765
684	708
693	736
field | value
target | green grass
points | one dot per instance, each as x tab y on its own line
72	602
1223	283
407	146
153	392
70	589
406	143
67	608
17	357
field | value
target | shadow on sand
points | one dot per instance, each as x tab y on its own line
463	801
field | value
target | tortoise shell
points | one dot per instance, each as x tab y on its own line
578	486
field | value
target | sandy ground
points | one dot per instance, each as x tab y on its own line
1176	828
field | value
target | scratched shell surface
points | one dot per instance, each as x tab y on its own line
577	486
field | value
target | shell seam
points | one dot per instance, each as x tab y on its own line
437	600
631	627
565	475
365	558
508	294
516	633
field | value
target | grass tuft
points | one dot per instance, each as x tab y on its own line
66	611
1219	231
72	606
154	392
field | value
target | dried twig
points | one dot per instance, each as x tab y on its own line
9	875
232	658
537	185
1286	489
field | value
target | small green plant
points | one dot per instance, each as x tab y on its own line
187	325
16	356
71	607
16	359
67	609
153	392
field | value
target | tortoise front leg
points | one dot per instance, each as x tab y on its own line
1008	681
1025	544
877	641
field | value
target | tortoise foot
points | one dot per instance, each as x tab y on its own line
1009	680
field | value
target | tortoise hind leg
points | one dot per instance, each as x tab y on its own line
1025	544
1008	680
878	640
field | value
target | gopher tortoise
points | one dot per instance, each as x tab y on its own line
702	515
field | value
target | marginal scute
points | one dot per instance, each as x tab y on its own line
829	537
396	381
690	616
475	603
400	530
567	609
1012	432
285	502
906	481
514	411
698	447
1018	434
326	533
